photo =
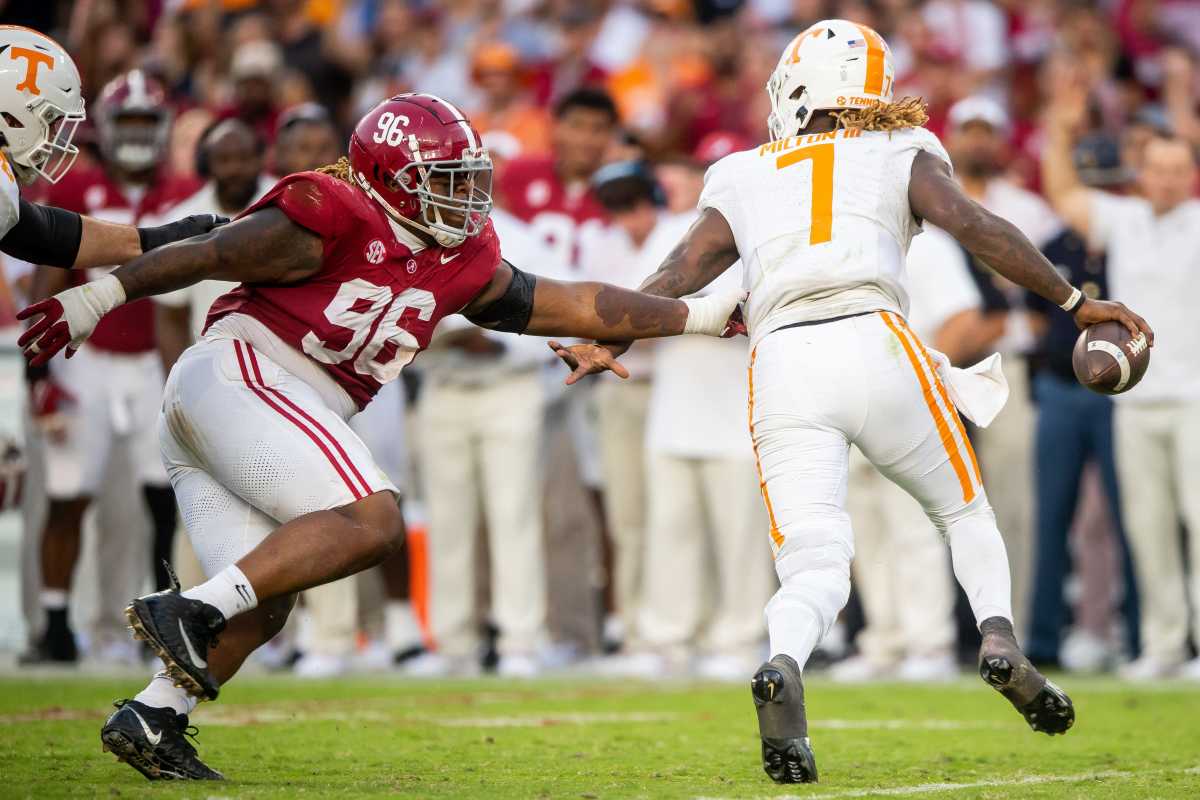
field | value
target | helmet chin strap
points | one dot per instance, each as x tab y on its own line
441	237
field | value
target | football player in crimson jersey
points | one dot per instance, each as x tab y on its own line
345	272
111	393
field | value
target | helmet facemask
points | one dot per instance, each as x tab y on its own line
455	196
791	114
136	140
52	153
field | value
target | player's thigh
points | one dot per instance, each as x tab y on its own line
75	459
145	405
264	434
913	432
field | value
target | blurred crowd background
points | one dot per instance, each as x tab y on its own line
619	523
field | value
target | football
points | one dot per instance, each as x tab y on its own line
1108	360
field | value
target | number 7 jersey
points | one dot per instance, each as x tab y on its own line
821	221
379	294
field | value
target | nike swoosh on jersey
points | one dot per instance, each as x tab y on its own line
451	258
153	737
196	659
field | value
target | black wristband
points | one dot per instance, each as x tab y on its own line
185	228
1078	304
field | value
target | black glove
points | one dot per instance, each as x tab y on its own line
179	229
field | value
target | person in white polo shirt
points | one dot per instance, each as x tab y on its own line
1153	244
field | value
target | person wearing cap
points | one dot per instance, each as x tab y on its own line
1152	238
254	69
510	124
979	127
692	569
1074	431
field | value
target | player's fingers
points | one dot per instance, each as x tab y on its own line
617	368
36	308
34	332
1143	327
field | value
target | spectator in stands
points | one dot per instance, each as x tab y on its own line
978	128
705	561
1074	428
255	69
1153	245
509	122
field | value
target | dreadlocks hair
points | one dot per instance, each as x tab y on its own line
909	112
339	169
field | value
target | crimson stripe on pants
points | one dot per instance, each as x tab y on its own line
320	428
358	495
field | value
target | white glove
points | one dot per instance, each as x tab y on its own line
713	314
68	318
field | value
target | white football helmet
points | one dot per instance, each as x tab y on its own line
833	64
41	104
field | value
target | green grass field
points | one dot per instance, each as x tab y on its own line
588	739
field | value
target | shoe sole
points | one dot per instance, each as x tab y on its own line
144	630
1050	711
129	752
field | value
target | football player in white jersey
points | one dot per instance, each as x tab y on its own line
42	103
822	217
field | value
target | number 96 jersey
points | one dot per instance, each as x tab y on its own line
379	294
822	222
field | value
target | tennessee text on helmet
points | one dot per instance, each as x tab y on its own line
41	104
420	159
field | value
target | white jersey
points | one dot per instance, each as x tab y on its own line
822	222
10	197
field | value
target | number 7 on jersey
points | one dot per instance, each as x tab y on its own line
820	228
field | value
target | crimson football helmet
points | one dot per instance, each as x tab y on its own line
133	121
420	159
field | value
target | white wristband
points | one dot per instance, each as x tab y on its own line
1069	305
710	314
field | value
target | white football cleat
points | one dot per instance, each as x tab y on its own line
321	665
857	669
518	665
1147	669
928	669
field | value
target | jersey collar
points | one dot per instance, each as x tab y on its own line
405	236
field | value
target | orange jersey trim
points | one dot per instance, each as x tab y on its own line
776	536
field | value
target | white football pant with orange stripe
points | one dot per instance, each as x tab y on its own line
249	446
866	380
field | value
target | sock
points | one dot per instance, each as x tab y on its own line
228	590
160	500
401	631
981	565
162	693
53	599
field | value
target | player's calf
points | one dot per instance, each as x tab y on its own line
1005	668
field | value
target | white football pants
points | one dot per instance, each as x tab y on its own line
865	380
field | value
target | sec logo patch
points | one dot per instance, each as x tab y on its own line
375	251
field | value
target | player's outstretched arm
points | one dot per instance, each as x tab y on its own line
264	247
934	195
56	237
520	302
705	251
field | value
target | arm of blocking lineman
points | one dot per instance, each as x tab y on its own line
263	247
935	196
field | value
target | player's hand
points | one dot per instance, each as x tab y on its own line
47	398
716	314
588	359
68	318
184	228
1094	311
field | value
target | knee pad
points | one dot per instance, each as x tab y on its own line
945	519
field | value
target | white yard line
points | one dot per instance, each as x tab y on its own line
933	788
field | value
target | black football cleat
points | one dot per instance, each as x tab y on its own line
57	646
153	741
778	692
1005	668
181	631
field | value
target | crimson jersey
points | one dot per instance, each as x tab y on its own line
564	217
127	328
374	304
